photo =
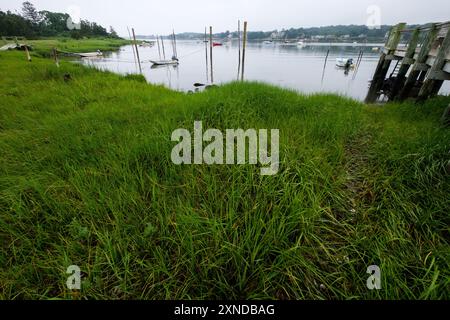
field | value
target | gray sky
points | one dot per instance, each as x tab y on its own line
160	16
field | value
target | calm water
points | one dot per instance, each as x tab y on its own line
289	66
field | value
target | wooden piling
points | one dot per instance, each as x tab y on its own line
55	57
163	48
420	66
325	65
159	47
206	54
436	77
211	45
239	44
137	51
407	61
132	46
244	45
175	44
27	53
358	64
384	63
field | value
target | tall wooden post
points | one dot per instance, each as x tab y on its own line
132	46
211	45
244	45
325	65
239	44
163	48
27	53
137	51
407	61
436	76
384	63
55	56
159	47
420	65
175	44
206	54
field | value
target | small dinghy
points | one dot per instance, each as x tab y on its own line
98	53
344	63
147	44
165	62
95	54
15	46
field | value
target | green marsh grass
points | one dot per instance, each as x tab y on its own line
86	178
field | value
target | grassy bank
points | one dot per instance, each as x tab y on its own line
86	178
44	47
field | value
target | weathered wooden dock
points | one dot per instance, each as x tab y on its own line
422	64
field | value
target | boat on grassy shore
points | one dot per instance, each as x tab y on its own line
95	54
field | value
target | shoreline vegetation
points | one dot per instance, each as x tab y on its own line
86	179
43	47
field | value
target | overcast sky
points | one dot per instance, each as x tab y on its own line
160	16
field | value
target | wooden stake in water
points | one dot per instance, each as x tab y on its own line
137	51
159	47
175	44
325	65
163	48
132	46
239	41
211	53
358	63
244	44
206	54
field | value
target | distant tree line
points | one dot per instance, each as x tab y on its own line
32	23
329	32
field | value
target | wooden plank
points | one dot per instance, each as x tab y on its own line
393	57
439	75
447	67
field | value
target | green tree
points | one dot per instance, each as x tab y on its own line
30	13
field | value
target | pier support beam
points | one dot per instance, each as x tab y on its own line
406	64
420	65
433	84
384	63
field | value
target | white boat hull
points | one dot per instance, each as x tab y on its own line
164	62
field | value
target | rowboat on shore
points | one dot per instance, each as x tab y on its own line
16	46
95	54
98	53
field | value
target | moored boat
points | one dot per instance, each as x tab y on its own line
165	62
344	62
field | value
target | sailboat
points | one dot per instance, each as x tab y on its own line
174	60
